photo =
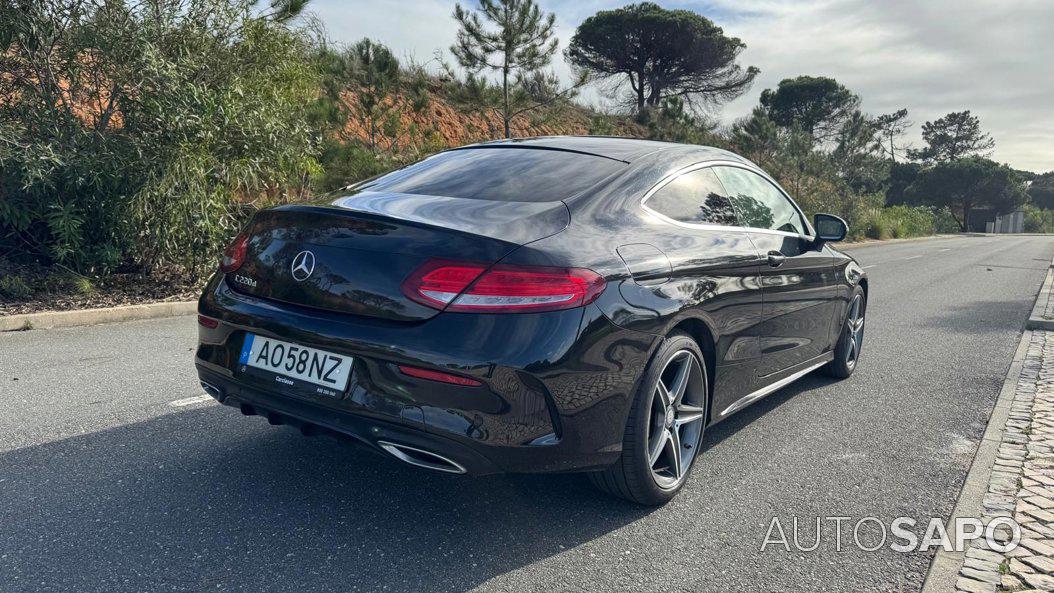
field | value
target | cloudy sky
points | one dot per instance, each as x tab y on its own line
993	57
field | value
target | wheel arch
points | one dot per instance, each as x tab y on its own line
863	285
699	331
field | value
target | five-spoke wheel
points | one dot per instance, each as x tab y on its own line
677	411
851	340
665	426
854	327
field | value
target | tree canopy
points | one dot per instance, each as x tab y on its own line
857	154
817	104
969	183
1041	191
951	137
661	53
901	176
892	126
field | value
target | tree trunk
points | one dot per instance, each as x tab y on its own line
505	92
892	155
640	92
966	217
654	95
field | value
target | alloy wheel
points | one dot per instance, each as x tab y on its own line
854	326
676	422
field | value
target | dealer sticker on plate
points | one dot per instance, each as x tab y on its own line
292	361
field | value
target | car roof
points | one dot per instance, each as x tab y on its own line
618	148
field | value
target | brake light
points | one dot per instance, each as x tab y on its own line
234	255
438	282
439	376
473	287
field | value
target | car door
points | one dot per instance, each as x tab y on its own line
713	273
797	279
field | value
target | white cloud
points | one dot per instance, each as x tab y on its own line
993	57
412	28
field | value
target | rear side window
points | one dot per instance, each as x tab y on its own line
758	203
500	174
694	197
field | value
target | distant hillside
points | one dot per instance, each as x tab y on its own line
443	122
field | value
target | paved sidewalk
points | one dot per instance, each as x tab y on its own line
1021	486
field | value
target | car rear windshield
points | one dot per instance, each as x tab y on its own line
501	174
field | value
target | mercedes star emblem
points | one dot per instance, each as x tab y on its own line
303	265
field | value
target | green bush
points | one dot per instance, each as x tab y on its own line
14	287
1038	220
145	154
943	221
601	125
343	164
908	221
878	228
896	222
673	121
81	285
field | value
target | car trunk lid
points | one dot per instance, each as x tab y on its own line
352	254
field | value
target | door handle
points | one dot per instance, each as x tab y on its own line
776	259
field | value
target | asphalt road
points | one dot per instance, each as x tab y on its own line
105	486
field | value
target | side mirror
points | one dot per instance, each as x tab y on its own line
829	228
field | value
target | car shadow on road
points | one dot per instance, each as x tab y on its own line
206	499
716	434
981	317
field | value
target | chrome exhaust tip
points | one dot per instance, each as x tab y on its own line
212	390
422	458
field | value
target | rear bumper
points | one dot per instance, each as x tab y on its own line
312	419
556	386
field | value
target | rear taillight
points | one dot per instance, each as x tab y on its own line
438	282
234	255
473	287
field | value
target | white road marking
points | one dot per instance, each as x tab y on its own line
912	257
871	266
945	249
190	401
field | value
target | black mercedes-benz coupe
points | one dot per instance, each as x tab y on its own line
541	305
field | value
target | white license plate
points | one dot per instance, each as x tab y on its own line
299	362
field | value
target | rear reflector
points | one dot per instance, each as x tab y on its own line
208	322
472	287
439	376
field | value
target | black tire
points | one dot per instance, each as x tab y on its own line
634	476
847	350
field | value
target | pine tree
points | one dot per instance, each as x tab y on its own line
521	42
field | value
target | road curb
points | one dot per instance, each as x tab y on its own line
944	568
1041	317
870	242
943	573
55	319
